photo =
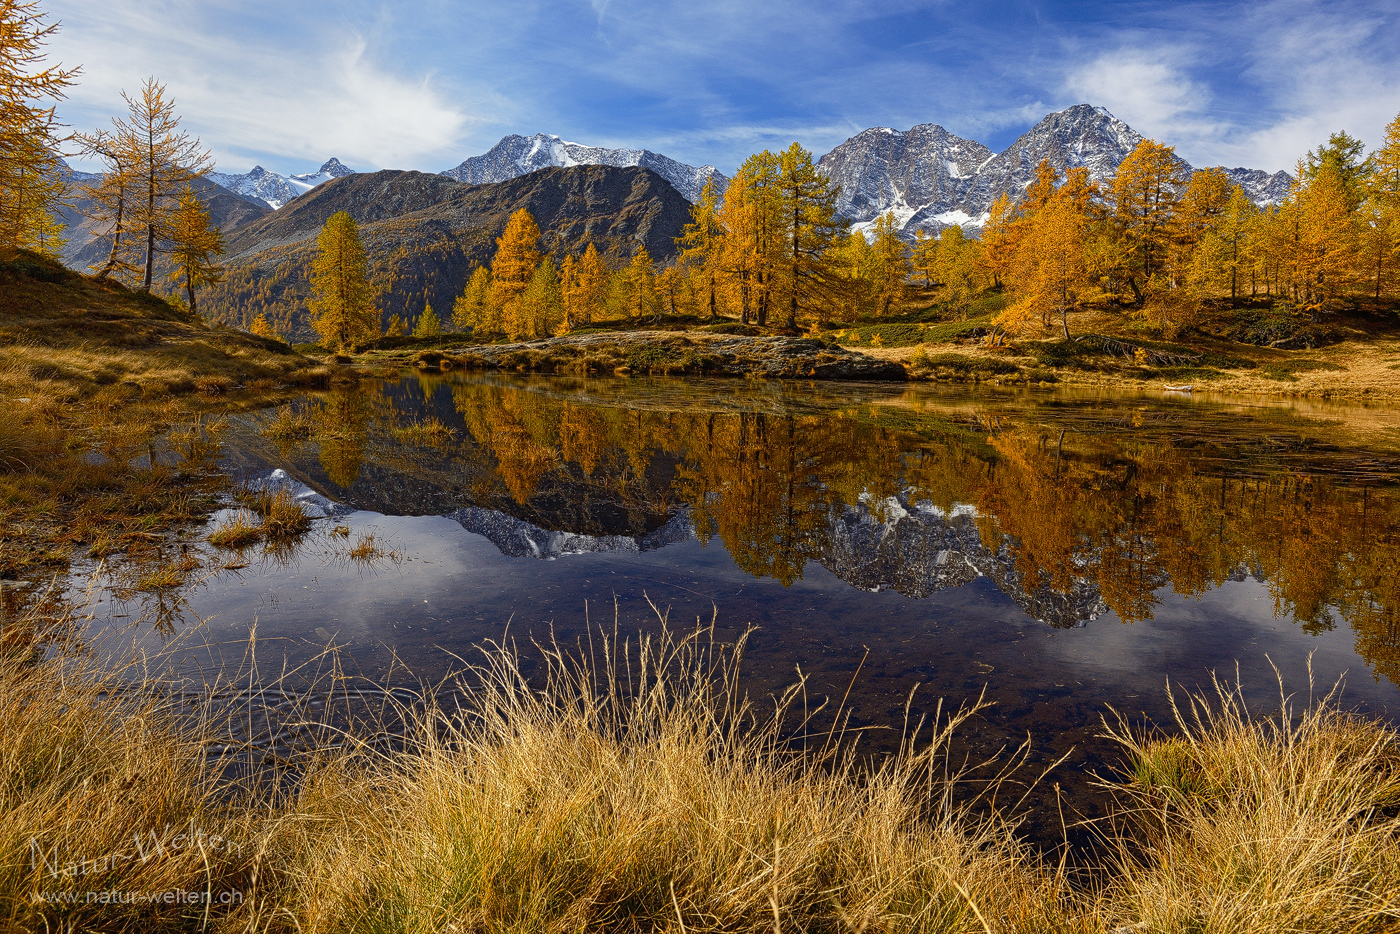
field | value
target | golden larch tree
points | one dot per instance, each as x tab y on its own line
517	255
342	302
585	289
807	205
166	160
194	244
702	247
473	310
30	183
1146	192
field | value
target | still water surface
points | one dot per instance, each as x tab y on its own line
1066	552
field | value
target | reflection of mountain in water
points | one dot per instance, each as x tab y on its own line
915	549
521	539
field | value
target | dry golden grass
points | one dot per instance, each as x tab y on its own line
429	432
103	790
644	794
1256	825
84	333
237	530
642	791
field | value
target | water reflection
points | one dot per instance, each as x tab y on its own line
1073	508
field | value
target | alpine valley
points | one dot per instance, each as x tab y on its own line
424	233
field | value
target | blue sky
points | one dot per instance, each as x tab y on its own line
423	85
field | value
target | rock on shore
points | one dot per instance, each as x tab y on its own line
668	353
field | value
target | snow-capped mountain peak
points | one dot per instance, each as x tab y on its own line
276	190
516	155
930	178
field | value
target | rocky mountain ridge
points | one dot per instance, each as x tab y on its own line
931	178
275	190
515	155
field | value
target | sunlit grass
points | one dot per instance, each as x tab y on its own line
634	787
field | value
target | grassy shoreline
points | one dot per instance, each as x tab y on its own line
639	790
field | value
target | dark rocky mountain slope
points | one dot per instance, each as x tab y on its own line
424	234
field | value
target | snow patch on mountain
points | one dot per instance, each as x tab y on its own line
932	179
516	155
275	190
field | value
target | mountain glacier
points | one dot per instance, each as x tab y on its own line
514	156
276	190
931	178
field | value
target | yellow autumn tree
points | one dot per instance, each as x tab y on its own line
428	325
342	303
166	159
474	310
1323	251
1049	273
109	203
262	328
584	288
810	226
194	245
30	184
1146	192
753	237
517	256
702	248
891	266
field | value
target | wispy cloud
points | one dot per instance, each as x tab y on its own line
393	84
252	91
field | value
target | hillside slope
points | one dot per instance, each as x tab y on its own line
72	334
424	234
228	211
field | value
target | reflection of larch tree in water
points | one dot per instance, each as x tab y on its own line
342	425
1127	516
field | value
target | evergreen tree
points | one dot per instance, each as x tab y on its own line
640	283
957	264
924	255
1000	236
194	243
341	300
30	185
428	324
541	305
474	310
396	326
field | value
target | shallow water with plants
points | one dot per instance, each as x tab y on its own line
1068	553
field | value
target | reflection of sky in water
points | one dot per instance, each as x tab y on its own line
512	474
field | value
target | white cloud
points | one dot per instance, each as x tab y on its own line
1291	73
284	90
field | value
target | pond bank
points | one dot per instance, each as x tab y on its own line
661	353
